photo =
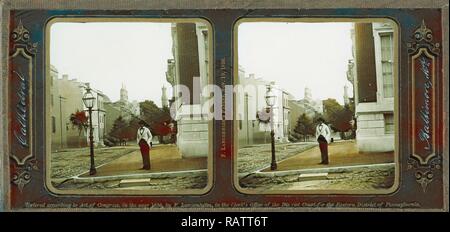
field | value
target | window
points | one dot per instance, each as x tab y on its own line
53	124
389	123
387	64
52	101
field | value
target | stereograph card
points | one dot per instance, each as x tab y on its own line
217	106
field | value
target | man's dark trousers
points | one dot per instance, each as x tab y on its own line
323	145
145	152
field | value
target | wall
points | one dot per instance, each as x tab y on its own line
69	97
190	51
372	109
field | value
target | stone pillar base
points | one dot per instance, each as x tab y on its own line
376	144
192	137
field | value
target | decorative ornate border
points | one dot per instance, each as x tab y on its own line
423	53
224	196
22	60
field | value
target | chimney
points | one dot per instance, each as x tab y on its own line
65	77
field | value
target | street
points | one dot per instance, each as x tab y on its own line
114	162
253	158
177	183
367	179
71	162
348	169
355	171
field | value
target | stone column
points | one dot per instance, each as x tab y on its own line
192	135
365	63
187	57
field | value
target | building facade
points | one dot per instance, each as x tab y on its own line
121	108
295	111
310	106
189	70
65	100
164	99
250	99
98	114
372	75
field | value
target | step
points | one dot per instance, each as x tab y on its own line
134	182
313	176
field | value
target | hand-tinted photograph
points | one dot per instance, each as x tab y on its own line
114	118
316	106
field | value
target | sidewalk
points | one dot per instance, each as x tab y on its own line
343	153
163	158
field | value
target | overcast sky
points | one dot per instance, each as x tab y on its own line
109	54
295	55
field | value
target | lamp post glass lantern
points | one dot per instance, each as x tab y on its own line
88	100
270	101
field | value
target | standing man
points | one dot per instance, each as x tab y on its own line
323	136
144	139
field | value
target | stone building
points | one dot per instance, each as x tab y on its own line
121	108
372	75
311	107
65	99
250	98
190	70
164	99
281	112
98	114
346	97
132	107
295	111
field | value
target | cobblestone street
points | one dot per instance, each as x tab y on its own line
369	178
348	169
70	162
187	181
253	158
116	161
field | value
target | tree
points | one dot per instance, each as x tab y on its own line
130	131
342	122
158	119
80	121
338	116
331	110
304	127
150	112
118	129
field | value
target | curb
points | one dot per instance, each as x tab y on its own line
97	179
339	169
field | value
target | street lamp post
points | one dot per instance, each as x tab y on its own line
270	100
88	100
